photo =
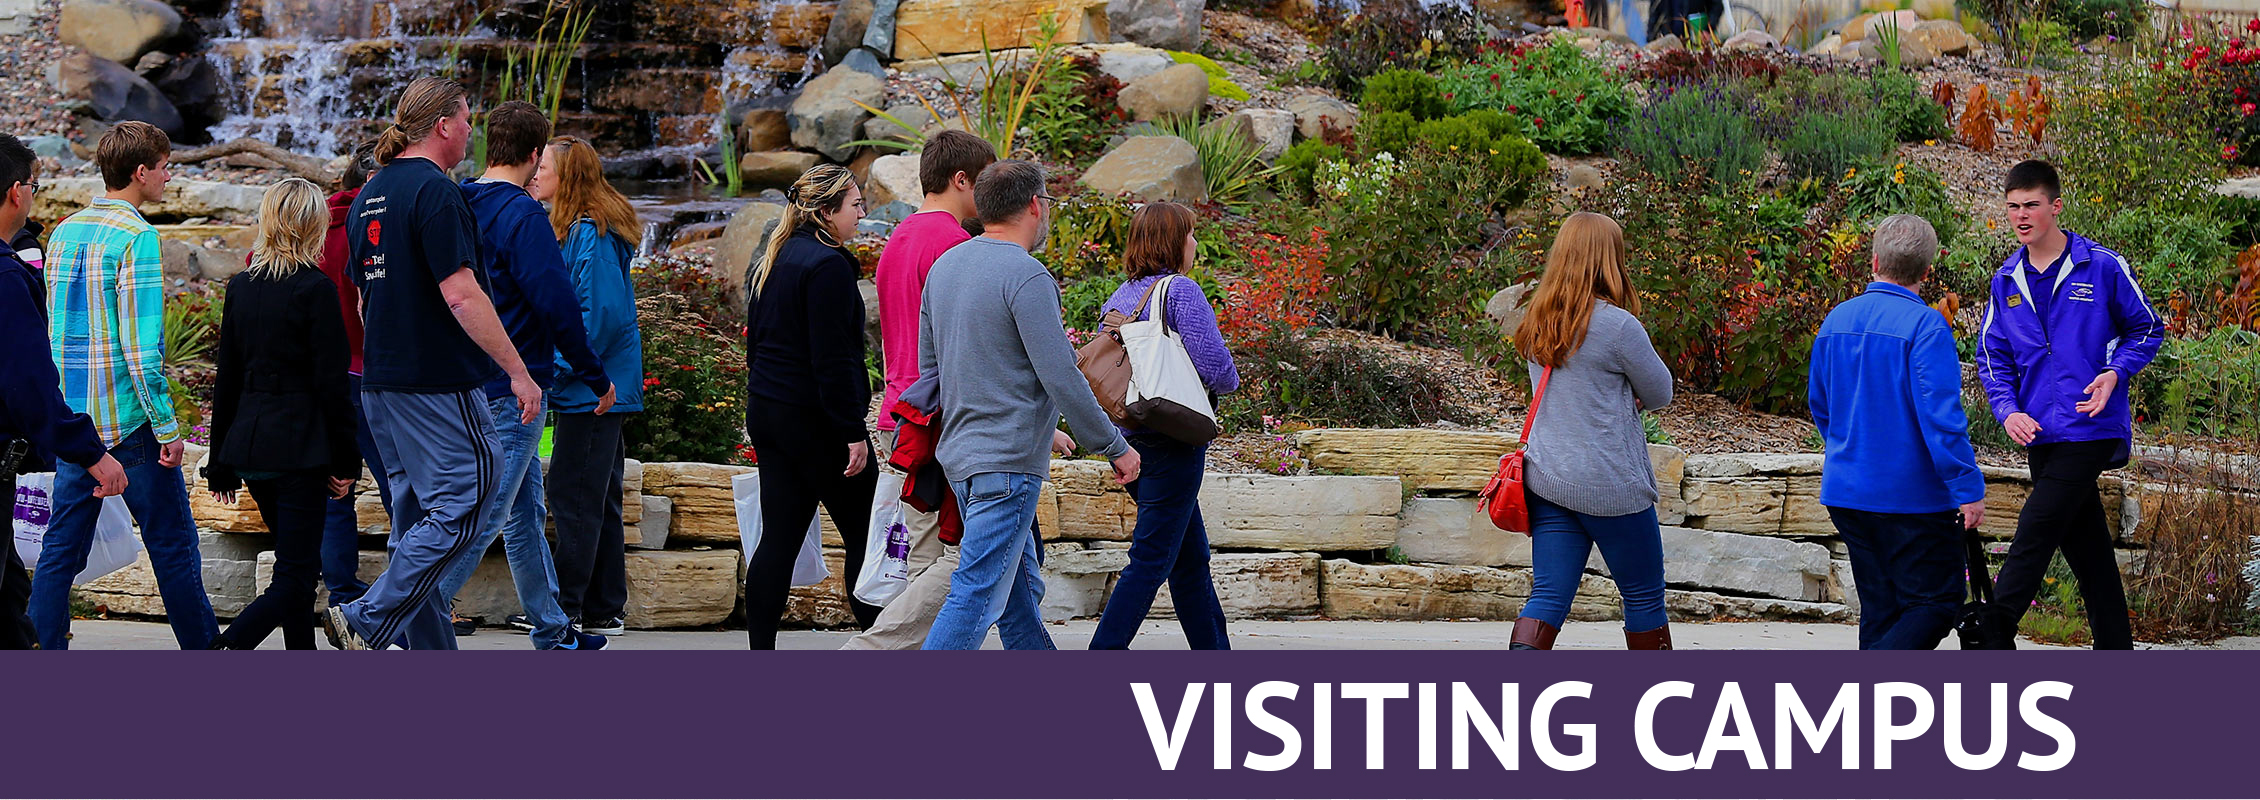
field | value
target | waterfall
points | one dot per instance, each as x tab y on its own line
314	87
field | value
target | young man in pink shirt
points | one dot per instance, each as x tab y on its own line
946	168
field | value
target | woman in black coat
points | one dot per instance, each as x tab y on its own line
808	391
282	423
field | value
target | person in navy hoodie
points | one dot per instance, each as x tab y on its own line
32	411
1899	478
2065	331
534	296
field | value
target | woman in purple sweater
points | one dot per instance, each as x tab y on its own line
1169	542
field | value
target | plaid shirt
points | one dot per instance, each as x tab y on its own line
106	320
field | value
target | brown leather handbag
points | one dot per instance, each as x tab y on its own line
1105	363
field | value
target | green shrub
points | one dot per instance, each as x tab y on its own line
2088	19
1231	159
2136	137
694	387
1498	123
1878	189
1452	133
1299	165
1386	132
2188	255
1398	33
1903	104
1080	301
1705	130
1410	91
1822	144
1441	200
1571	102
1088	234
1063	120
2208	386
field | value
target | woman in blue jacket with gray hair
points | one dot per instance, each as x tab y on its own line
588	454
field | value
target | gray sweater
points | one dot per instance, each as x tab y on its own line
989	327
1587	451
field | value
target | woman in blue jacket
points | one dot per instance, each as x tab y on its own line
600	231
2065	330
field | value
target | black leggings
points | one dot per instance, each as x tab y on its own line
800	467
2066	510
295	507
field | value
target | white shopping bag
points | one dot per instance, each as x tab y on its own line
886	551
115	546
808	569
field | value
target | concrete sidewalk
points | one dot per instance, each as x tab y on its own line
1163	635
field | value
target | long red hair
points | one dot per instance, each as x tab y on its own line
1585	265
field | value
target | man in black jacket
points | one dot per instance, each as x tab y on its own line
31	398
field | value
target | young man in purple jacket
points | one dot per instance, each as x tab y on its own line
2065	330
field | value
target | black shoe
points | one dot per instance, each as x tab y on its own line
606	627
466	626
520	622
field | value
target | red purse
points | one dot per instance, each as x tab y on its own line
1503	496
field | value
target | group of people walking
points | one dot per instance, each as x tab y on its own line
419	326
427	328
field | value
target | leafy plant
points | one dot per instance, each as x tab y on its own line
538	75
1980	118
1001	106
1823	144
1410	91
1569	101
1088	234
1445	200
2029	109
1294	377
2158	149
1887	40
1283	289
1300	165
1062	119
1386	132
1231	158
1699	129
1878	189
2185	260
1901	104
1398	33
1219	82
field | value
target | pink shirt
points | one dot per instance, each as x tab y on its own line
901	278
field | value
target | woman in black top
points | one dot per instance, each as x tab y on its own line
281	421
808	390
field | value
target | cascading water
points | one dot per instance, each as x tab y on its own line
309	88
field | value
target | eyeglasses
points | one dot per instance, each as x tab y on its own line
30	187
1048	199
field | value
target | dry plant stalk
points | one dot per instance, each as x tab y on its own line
2245	302
1980	117
1942	93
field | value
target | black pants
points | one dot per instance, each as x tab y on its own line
15	584
587	462
296	507
800	467
2066	510
1908	570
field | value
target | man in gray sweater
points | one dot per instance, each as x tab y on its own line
989	327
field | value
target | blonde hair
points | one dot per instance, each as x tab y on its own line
819	191
1586	265
422	105
582	192
293	221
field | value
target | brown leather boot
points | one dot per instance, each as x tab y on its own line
1530	634
1658	639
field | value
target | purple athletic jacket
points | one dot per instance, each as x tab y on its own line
2098	319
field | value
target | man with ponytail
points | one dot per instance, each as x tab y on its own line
990	331
431	344
534	297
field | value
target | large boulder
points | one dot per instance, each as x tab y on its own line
62	196
894	179
1257	585
849	23
195	89
1506	307
681	588
1425	459
913	115
115	93
775	169
763	129
1944	36
118	30
1150	168
1316	113
1452	530
826	117
17	17
1179	91
1168	24
925	28
1270	128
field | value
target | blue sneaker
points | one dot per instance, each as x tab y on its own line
577	640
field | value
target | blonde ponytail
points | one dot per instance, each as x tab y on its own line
819	191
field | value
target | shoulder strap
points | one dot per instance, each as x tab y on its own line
1157	298
1544	377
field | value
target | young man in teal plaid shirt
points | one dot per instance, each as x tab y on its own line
105	327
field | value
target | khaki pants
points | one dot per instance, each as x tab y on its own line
905	621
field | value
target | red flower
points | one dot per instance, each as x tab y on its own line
2229	152
2252	25
1539	122
2248	108
1511	109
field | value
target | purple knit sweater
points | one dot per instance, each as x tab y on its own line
1188	314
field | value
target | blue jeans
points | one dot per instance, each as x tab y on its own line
341	528
517	516
1908	569
158	498
1560	542
998	558
1169	544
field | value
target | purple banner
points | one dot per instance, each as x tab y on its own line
1013	725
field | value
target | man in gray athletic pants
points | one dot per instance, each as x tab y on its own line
432	342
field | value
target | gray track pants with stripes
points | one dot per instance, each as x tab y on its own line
445	466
